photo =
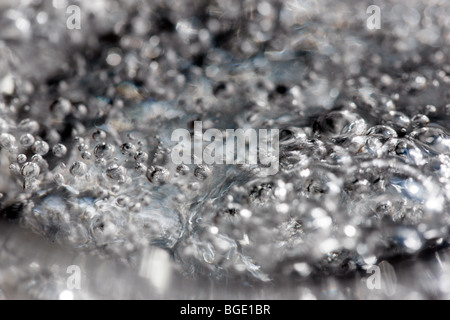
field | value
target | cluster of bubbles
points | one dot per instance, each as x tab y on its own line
86	119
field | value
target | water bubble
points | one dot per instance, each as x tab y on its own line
140	168
21	158
27	140
7	141
141	156
83	147
135	207
338	123
59	179
384	131
183	169
128	149
123	201
434	138
116	172
397	120
99	135
384	208
78	169
30	170
61	107
410	152
78	140
158	175
104	150
14	168
202	172
79	110
86	155
29	126
59	150
100	162
41	147
420	120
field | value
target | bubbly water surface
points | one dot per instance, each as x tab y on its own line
86	118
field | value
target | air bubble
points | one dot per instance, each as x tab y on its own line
183	169
398	121
116	172
29	126
128	149
123	201
100	163
30	170
61	107
15	169
202	172
41	147
27	140
78	169
158	175
21	158
420	120
86	155
141	156
337	123
59	150
99	135
104	150
59	179
7	141
140	169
